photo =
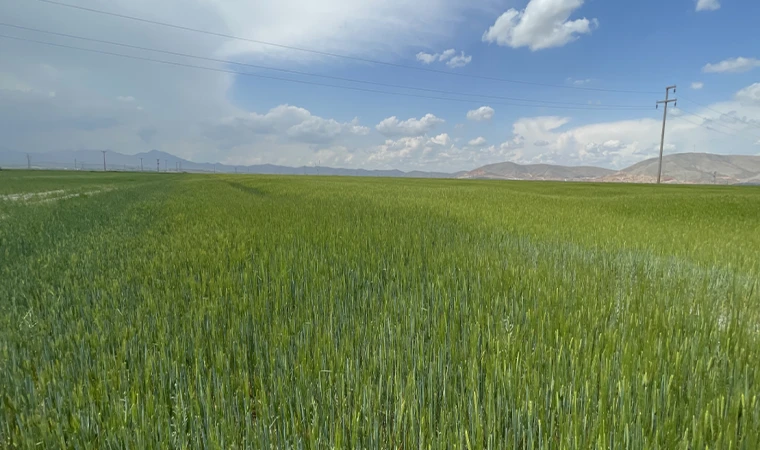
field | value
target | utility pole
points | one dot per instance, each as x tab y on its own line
104	160
28	161
75	164
664	116
158	165
141	168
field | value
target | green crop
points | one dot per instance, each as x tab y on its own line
189	311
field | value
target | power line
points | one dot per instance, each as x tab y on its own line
733	131
295	72
722	114
708	128
684	118
335	55
403	94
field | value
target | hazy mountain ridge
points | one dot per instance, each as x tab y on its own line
679	168
513	171
699	168
157	160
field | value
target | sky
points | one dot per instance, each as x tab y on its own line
440	85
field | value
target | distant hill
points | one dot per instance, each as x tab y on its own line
700	168
158	160
680	168
694	168
512	171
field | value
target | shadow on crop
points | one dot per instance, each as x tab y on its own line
246	189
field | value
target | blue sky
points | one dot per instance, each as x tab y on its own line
56	98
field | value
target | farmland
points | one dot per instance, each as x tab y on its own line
199	311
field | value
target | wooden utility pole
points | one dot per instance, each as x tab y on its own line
75	164
158	165
28	161
664	117
104	160
141	167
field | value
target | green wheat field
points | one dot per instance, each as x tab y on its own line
187	311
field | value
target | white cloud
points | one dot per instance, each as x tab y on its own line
481	114
426	58
127	99
364	28
622	143
449	56
183	104
542	24
580	82
750	95
441	139
708	5
477	142
446	54
697	85
284	121
460	60
732	65
392	126
400	150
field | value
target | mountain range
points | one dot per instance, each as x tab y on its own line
680	168
155	160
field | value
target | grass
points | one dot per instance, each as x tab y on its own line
313	312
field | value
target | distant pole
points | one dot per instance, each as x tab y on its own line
28	161
141	166
75	164
104	160
664	117
158	165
